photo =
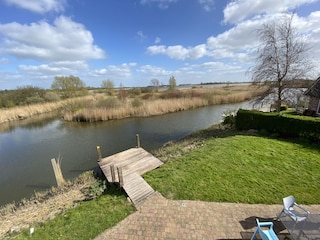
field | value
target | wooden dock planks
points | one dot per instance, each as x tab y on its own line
133	162
137	188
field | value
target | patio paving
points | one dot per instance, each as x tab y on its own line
159	218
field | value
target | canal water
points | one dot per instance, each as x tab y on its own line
27	148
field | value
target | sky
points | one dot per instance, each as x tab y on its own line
131	42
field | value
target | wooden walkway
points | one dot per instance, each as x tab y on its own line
128	166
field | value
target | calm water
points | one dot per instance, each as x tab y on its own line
27	148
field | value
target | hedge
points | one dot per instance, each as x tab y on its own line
283	124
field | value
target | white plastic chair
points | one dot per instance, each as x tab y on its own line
293	210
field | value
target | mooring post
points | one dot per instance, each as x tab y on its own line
138	140
120	176
57	172
99	153
113	175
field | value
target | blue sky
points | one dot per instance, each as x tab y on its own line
131	42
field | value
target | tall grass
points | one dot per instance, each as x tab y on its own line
22	112
184	100
99	107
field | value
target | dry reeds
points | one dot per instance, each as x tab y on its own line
99	107
146	108
22	112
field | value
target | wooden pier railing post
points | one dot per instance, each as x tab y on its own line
99	153
113	175
120	176
138	140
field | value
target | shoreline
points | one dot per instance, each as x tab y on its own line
100	107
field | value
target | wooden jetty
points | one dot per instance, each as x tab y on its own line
126	169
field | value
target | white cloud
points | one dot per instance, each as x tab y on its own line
207	4
157	40
141	36
239	43
178	52
65	40
238	10
163	4
4	60
39	6
117	72
153	71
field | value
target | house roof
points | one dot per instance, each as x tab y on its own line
314	90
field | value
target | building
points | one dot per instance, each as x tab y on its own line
313	93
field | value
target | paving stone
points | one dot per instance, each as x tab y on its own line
159	218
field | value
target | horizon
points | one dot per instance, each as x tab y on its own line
133	42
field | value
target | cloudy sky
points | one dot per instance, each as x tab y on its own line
131	42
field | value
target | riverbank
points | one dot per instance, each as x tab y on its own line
44	206
104	108
8	115
101	107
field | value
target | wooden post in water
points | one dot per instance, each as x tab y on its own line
99	153
113	175
120	176
138	140
57	171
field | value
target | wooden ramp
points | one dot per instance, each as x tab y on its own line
137	188
130	164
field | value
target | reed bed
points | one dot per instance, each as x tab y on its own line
23	112
145	108
99	107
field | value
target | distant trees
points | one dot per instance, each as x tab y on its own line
26	95
155	84
109	86
172	83
69	86
282	58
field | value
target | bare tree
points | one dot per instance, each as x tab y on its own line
155	84
109	86
69	86
282	58
172	83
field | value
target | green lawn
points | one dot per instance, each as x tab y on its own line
86	221
239	168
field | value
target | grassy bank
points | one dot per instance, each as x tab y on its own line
78	210
86	221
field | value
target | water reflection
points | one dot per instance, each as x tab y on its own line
37	121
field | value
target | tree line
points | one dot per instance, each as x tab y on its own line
64	87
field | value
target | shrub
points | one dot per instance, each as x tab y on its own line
135	91
110	102
172	94
51	97
34	100
136	102
147	96
283	124
229	119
